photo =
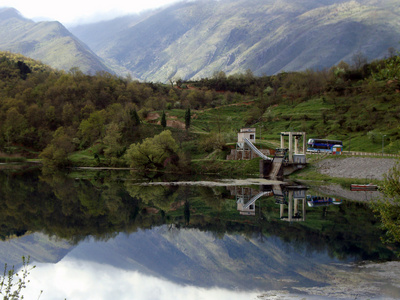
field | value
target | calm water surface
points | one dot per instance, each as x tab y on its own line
115	235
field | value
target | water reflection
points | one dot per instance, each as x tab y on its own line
187	237
291	200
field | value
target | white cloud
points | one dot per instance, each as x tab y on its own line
74	11
76	279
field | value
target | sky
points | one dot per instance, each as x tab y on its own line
74	12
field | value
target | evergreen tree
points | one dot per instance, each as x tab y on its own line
135	117
163	120
187	119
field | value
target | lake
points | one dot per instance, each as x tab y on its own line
119	235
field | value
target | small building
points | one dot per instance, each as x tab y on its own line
248	133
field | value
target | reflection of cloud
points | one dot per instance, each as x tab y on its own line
76	279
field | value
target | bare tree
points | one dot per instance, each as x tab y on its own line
359	60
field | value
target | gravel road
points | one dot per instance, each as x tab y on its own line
356	167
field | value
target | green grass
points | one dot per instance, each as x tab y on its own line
232	168
12	159
87	157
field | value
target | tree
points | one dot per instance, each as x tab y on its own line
92	128
163	120
135	117
187	119
56	153
152	153
359	60
12	283
111	141
388	208
388	70
15	126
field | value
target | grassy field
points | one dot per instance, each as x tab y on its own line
363	123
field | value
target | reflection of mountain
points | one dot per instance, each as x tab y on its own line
194	257
37	246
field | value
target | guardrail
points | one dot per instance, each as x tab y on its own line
369	154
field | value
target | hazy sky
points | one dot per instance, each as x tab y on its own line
80	11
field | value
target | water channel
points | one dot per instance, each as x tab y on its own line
117	235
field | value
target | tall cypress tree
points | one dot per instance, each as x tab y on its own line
163	120
135	117
187	119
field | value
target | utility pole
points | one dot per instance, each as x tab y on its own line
383	142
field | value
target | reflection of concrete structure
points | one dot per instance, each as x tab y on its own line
292	200
292	197
246	199
296	203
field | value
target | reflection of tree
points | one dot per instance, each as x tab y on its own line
186	212
65	207
214	196
160	196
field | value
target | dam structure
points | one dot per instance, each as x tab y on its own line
275	163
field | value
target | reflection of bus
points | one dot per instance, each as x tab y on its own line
314	201
321	145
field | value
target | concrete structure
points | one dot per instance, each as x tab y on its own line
285	161
248	133
294	154
244	146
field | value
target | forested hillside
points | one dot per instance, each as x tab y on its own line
112	120
193	39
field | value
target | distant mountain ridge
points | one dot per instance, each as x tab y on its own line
49	42
193	39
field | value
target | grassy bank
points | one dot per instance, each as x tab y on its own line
232	168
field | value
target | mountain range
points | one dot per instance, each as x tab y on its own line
48	42
194	39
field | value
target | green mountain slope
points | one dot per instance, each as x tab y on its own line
49	42
196	38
